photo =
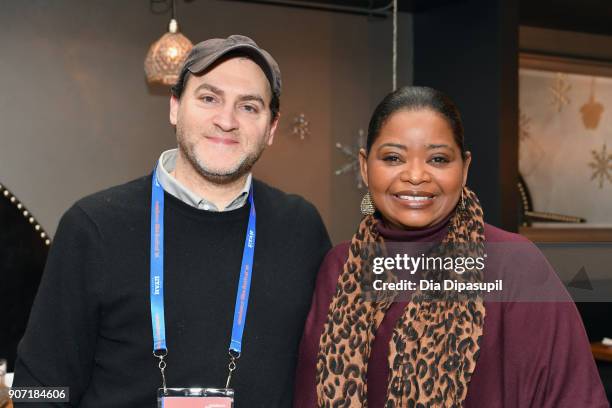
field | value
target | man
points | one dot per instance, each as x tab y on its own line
173	248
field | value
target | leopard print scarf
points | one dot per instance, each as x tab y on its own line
435	344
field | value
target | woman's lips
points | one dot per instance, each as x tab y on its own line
414	200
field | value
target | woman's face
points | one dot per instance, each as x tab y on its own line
414	171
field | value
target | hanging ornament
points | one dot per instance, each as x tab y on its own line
167	55
353	154
592	110
301	126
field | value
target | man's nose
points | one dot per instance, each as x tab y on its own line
225	119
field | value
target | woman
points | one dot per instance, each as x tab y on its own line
440	352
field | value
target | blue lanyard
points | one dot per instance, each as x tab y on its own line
157	279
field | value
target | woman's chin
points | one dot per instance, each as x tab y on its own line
412	221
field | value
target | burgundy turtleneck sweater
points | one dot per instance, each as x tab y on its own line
531	355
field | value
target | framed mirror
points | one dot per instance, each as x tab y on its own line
564	148
23	251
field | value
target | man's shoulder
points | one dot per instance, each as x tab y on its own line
118	199
281	202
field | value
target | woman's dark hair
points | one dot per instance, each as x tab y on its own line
413	98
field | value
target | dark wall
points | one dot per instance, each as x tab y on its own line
90	106
469	51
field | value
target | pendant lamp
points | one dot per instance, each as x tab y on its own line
166	55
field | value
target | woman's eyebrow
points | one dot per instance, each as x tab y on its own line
437	146
399	146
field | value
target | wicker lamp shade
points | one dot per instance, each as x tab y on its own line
166	56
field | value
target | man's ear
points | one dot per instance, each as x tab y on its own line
466	166
273	128
174	105
363	165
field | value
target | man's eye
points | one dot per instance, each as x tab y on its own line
250	109
208	99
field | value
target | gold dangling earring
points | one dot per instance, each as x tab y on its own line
367	205
462	202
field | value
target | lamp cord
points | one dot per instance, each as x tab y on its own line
394	45
161	6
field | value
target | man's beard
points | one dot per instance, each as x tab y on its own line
215	176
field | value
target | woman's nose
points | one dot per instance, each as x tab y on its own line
415	173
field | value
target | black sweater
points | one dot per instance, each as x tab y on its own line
90	326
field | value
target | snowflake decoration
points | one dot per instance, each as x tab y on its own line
523	126
301	126
602	165
559	92
353	154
